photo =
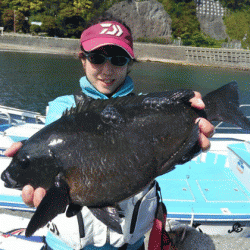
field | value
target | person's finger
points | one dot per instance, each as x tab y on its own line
13	149
38	196
196	101
28	195
204	142
205	127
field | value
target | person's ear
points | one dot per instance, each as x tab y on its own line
83	60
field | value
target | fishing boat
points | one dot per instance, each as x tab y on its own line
210	193
16	125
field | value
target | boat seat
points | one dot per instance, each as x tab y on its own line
241	150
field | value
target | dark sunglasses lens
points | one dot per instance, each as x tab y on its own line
96	59
119	60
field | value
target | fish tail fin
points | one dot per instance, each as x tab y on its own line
223	105
53	203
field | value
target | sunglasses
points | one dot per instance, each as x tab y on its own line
96	58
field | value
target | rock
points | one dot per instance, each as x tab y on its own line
213	26
148	19
145	18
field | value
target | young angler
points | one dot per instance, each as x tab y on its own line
107	57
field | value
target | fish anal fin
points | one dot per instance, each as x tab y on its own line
54	202
109	216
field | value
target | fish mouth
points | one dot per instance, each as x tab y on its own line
9	182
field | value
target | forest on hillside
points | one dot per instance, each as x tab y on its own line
185	23
67	18
61	18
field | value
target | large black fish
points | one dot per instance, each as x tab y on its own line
99	155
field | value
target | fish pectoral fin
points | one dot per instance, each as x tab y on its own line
109	216
54	202
73	209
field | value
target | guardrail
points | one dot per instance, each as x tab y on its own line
218	56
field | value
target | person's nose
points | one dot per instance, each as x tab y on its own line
108	68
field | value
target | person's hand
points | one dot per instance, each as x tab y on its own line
31	197
206	128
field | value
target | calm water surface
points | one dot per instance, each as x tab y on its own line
30	81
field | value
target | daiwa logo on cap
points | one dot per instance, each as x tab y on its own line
107	33
110	29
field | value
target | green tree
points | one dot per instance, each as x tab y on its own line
70	23
237	24
235	4
52	7
27	7
64	18
184	21
8	20
49	25
82	7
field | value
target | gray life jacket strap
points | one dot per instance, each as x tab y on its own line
137	207
81	225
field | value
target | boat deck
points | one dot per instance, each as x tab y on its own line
205	190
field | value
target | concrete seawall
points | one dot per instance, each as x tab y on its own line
151	52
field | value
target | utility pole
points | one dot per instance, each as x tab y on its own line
14	21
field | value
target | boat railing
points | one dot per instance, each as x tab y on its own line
5	116
230	129
14	116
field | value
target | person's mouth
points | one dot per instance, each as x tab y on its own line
107	81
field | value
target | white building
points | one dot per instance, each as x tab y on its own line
209	8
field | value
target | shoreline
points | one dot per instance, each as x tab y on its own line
59	51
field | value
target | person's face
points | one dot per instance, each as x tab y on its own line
106	78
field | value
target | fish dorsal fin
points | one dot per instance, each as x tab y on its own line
53	203
158	100
80	107
161	100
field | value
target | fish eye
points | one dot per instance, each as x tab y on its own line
25	162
